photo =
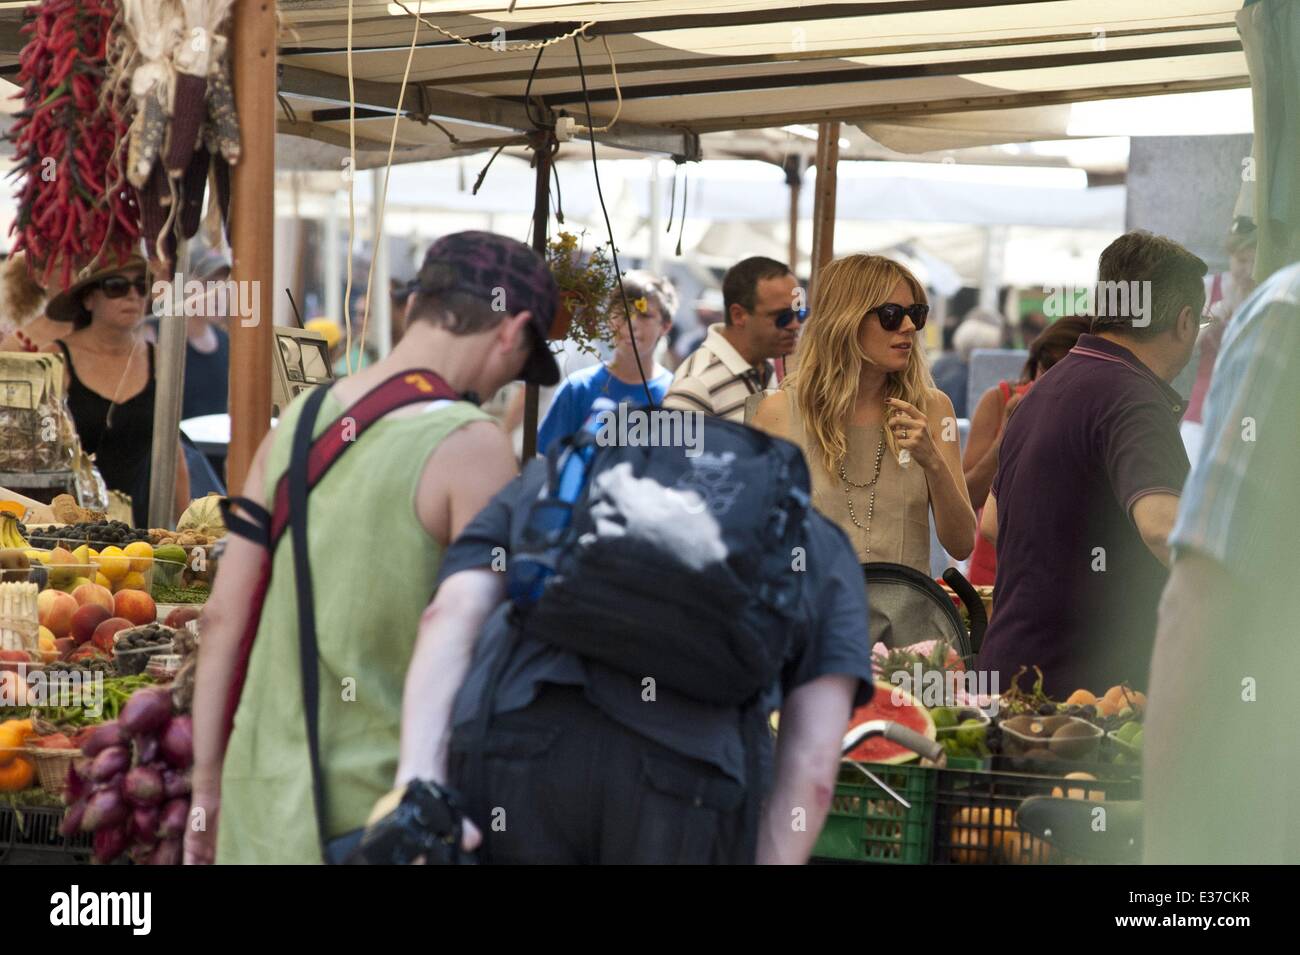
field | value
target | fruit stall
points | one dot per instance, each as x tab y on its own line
1001	754
98	640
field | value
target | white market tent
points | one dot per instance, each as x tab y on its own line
915	75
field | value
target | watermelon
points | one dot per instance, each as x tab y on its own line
907	710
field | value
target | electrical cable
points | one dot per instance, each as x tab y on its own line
595	169
352	204
686	182
383	195
496	46
672	203
528	93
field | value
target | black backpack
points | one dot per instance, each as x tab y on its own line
687	568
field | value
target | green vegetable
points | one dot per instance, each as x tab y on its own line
165	594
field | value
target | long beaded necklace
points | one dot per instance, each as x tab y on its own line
871	504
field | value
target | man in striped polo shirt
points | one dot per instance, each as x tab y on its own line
763	312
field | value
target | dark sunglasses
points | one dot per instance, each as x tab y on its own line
117	286
787	315
891	315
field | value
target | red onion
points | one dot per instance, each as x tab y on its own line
75	785
167	853
104	810
175	783
109	763
143	786
109	843
72	819
104	736
146	712
144	824
175	815
146	749
178	742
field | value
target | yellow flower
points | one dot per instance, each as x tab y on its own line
641	305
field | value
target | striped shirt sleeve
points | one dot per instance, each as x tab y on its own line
1233	486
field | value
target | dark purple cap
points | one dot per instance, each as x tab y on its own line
497	269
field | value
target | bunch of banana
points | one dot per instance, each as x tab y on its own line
10	535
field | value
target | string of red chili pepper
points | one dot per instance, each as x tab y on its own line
73	200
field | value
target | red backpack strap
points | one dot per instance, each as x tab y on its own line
404	388
1004	387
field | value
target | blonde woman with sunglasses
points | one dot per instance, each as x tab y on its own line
881	441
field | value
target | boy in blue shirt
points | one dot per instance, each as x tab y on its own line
653	300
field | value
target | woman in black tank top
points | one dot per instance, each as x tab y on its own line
110	370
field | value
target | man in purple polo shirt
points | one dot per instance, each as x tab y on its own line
1088	480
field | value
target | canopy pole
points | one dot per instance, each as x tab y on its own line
380	296
794	180
252	233
169	389
828	157
541	213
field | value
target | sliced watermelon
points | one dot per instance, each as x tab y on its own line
907	710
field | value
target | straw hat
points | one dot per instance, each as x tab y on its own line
65	305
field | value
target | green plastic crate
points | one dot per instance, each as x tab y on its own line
866	824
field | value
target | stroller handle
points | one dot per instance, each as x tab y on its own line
979	619
895	733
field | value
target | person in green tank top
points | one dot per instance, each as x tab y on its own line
379	522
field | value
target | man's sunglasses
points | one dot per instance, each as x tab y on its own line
787	315
117	286
891	315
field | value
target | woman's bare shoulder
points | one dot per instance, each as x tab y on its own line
773	414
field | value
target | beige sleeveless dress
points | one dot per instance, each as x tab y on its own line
900	521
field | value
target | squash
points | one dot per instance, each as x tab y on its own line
13	736
203	516
17	776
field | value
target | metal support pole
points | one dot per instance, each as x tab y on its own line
541	214
333	262
655	218
381	302
169	388
794	180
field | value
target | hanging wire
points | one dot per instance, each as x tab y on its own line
495	46
595	169
559	199
483	175
686	181
672	202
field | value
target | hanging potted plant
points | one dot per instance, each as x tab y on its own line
586	283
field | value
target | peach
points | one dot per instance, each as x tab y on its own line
65	646
180	616
136	606
107	631
86	619
54	611
93	594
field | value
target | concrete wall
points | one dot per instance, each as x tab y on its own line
1185	187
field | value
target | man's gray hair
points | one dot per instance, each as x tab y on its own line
975	333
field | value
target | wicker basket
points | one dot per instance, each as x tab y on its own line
52	766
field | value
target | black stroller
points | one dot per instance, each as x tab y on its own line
907	606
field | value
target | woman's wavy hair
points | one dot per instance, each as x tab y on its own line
829	357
